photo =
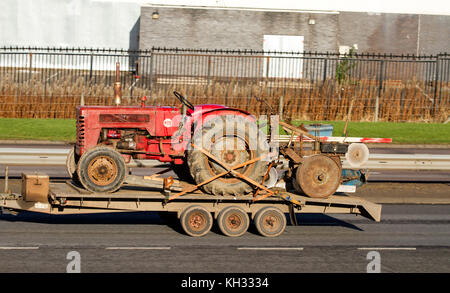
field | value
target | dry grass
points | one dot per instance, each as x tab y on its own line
411	101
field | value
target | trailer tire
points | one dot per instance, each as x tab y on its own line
196	221
233	221
210	137
101	169
270	222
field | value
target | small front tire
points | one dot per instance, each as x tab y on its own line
101	169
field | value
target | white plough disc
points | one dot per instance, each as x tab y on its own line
357	155
272	178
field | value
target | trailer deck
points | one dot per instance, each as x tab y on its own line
66	198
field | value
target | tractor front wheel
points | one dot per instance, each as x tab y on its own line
101	169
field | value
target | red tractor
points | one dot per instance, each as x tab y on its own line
109	136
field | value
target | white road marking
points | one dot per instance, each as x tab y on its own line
18	247
139	248
386	248
270	248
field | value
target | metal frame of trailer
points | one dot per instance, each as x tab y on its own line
197	209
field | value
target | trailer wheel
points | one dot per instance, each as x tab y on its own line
270	222
233	221
196	221
101	169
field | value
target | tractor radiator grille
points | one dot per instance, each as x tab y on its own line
80	132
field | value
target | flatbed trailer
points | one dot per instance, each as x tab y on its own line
196	210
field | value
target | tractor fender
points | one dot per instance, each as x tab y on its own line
196	120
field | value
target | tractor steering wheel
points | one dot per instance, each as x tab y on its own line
183	100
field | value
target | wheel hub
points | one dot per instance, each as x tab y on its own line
269	222
234	222
102	170
320	178
230	150
197	221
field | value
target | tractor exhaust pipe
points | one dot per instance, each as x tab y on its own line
117	86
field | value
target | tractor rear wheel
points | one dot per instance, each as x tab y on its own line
101	169
233	140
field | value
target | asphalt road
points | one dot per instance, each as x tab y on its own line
410	238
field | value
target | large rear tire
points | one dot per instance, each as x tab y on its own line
101	169
233	140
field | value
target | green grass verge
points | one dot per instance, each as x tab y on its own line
38	129
407	133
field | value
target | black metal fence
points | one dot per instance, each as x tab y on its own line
157	71
98	64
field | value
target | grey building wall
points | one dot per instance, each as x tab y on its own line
434	34
244	29
393	33
233	29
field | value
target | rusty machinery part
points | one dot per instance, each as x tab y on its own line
233	221
357	155
318	176
333	148
117	86
71	165
244	142
270	222
183	100
196	221
101	169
